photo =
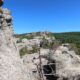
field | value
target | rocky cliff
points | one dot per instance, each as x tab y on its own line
61	63
10	63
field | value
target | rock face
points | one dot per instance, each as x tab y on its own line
66	64
32	62
59	64
10	62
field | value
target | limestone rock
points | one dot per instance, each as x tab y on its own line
67	64
10	62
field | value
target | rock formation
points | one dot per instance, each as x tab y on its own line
10	62
59	64
65	64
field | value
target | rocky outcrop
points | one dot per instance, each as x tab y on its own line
66	64
32	63
10	62
61	63
33	39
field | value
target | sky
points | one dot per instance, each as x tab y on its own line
44	15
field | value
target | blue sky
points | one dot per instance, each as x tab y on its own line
41	15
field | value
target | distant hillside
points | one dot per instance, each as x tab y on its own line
67	37
31	35
70	37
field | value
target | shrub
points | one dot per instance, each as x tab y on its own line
25	50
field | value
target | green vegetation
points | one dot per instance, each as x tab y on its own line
25	50
22	36
71	37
